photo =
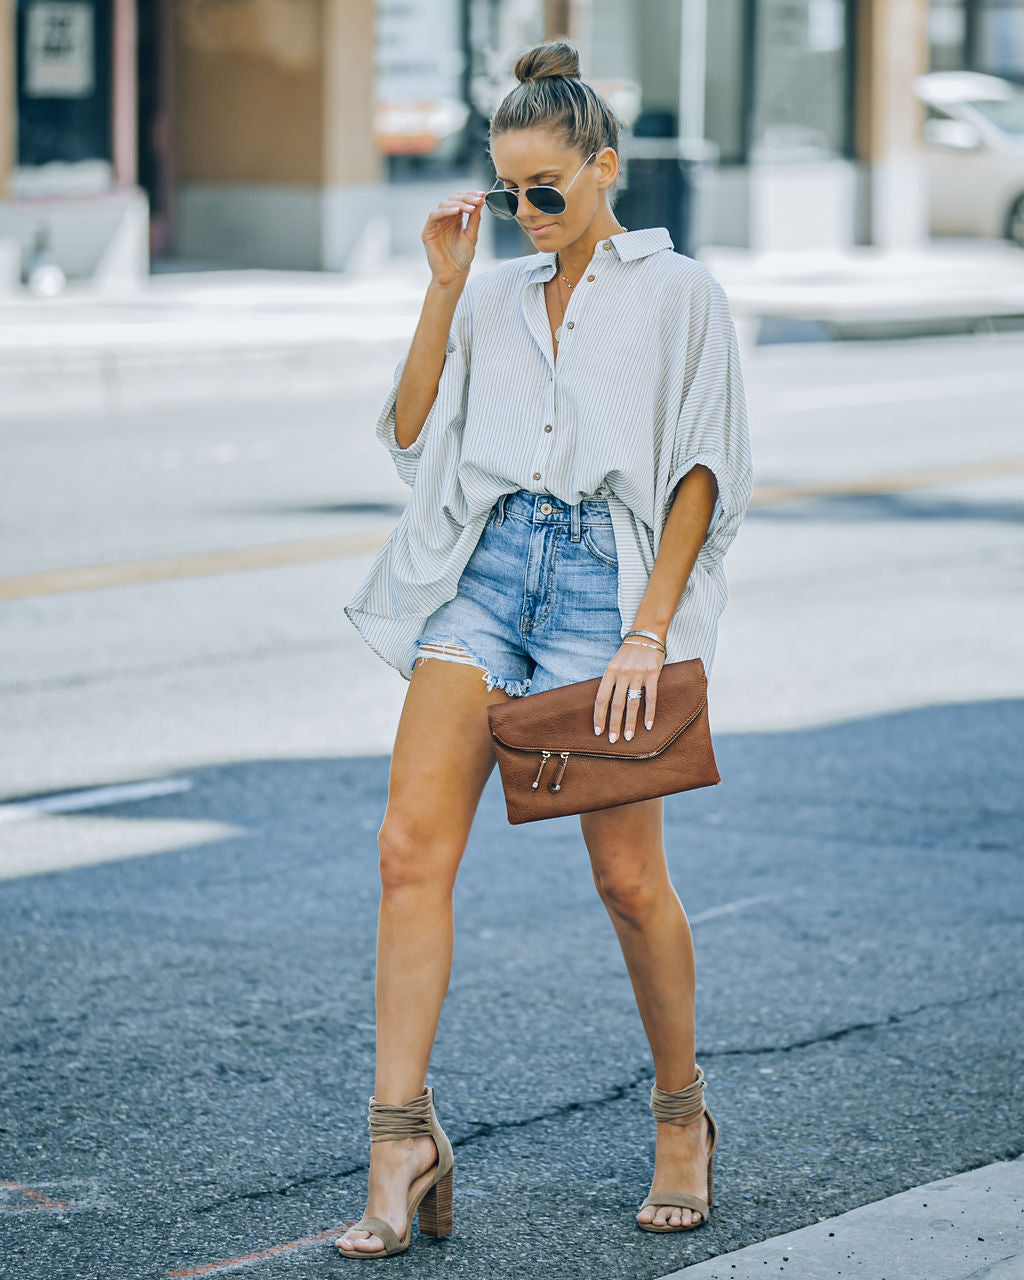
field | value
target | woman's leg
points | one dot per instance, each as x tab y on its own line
441	761
627	855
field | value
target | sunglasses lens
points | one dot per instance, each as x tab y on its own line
546	200
503	204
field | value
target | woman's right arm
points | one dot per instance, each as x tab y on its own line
450	248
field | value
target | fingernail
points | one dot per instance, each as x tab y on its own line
612	737
628	734
650	724
597	729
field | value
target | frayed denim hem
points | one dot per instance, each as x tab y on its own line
514	688
451	649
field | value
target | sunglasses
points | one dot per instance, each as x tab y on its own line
503	202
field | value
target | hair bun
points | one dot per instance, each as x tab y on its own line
556	58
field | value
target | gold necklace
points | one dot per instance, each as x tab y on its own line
565	306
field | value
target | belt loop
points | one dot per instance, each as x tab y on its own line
574	522
499	508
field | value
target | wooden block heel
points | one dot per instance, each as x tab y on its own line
436	1208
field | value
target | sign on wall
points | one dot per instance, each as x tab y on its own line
59	49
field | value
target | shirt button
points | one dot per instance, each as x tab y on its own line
590	277
571	324
607	244
536	475
547	426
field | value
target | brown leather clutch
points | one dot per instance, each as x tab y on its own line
552	763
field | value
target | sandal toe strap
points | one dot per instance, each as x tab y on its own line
675	1200
378	1227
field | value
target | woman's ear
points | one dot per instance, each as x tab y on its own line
608	167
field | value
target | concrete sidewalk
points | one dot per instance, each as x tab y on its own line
245	334
968	1227
947	286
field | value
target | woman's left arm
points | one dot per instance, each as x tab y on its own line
638	663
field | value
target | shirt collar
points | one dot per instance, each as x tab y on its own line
628	245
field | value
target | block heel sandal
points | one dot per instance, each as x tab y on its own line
684	1107
433	1198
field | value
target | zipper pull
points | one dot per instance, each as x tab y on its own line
556	783
545	756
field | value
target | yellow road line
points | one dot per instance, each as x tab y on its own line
130	573
774	495
278	555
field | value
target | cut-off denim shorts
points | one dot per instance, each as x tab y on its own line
537	603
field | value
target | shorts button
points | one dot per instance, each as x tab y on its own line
546	508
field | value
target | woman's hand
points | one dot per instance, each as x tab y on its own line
637	665
450	245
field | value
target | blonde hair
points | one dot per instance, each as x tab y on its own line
550	94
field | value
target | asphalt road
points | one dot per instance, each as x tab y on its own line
187	991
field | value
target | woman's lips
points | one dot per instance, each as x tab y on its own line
536	231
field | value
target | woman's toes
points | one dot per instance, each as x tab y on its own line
358	1244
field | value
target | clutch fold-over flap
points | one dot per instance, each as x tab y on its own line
562	720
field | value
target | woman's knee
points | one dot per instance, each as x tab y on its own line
415	855
628	894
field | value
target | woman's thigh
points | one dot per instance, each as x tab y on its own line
626	844
442	758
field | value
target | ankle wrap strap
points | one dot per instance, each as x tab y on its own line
682	1107
413	1119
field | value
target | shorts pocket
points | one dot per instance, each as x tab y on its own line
599	539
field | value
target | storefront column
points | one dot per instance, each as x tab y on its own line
355	233
125	94
893	49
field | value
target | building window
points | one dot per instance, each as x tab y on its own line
801	80
947	35
999	38
64	101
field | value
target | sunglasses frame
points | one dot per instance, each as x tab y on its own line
513	192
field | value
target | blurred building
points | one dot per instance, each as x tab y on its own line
978	35
317	133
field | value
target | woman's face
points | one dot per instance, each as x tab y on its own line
538	157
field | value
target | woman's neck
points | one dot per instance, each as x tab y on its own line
574	258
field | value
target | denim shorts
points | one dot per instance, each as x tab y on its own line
537	603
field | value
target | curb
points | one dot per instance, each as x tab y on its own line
966	1227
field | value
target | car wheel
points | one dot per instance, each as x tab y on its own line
1015	222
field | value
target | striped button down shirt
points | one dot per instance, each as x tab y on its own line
646	385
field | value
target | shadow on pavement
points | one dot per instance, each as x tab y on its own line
891	506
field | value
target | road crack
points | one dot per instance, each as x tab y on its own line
481	1130
841	1033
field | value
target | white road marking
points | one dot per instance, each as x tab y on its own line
92	798
730	908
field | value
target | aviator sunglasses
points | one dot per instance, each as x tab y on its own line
503	202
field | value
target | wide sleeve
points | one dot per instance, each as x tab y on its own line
449	407
712	428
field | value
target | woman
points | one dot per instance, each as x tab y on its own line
573	427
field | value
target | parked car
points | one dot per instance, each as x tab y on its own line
974	141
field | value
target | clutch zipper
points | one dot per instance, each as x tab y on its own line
600	755
545	756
